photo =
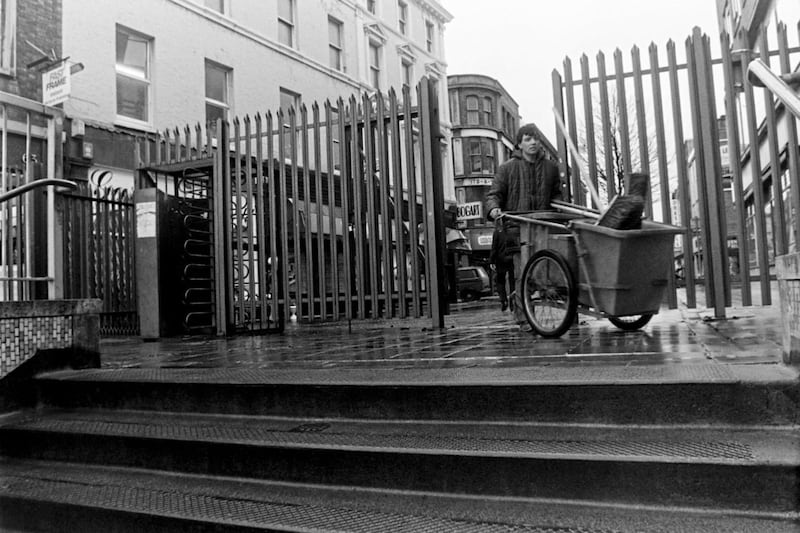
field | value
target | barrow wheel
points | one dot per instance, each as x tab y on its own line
630	323
549	295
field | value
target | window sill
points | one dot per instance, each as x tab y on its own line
126	122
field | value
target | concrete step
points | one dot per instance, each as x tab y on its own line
659	394
46	496
731	468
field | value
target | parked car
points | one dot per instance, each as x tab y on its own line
473	282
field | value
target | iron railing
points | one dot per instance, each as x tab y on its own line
332	214
760	75
722	164
30	148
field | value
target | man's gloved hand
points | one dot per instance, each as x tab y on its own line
494	213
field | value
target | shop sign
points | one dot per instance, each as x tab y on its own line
485	240
470	210
56	84
476	182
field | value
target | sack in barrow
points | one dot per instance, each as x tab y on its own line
625	212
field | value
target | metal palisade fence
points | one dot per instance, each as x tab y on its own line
722	155
98	254
53	243
332	213
30	150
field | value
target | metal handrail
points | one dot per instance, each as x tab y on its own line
13	193
760	75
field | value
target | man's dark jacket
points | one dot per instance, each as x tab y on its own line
524	186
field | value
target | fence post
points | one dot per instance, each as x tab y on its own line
55	212
434	198
732	123
561	142
221	197
578	194
709	175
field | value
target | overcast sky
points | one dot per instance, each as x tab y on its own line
520	42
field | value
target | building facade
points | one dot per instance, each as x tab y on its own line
744	20
694	225
37	23
485	119
233	58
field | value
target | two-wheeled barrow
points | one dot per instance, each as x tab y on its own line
574	265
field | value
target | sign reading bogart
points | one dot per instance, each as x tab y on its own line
470	210
56	84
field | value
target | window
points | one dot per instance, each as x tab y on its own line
371	6
435	85
286	22
481	156
454	111
789	213
218	79
8	35
375	64
335	43
429	36
289	99
508	123
472	111
487	112
402	16
216	5
407	69
458	158
133	75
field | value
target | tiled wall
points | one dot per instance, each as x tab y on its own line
26	327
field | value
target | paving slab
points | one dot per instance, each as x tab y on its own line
478	338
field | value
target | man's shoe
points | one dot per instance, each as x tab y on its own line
524	326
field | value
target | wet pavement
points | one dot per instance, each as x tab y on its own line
476	335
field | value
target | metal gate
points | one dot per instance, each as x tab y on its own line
333	216
98	254
722	156
30	150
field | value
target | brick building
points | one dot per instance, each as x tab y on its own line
485	120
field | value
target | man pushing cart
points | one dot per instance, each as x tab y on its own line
526	182
570	258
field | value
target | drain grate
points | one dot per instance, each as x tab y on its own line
250	512
319	434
